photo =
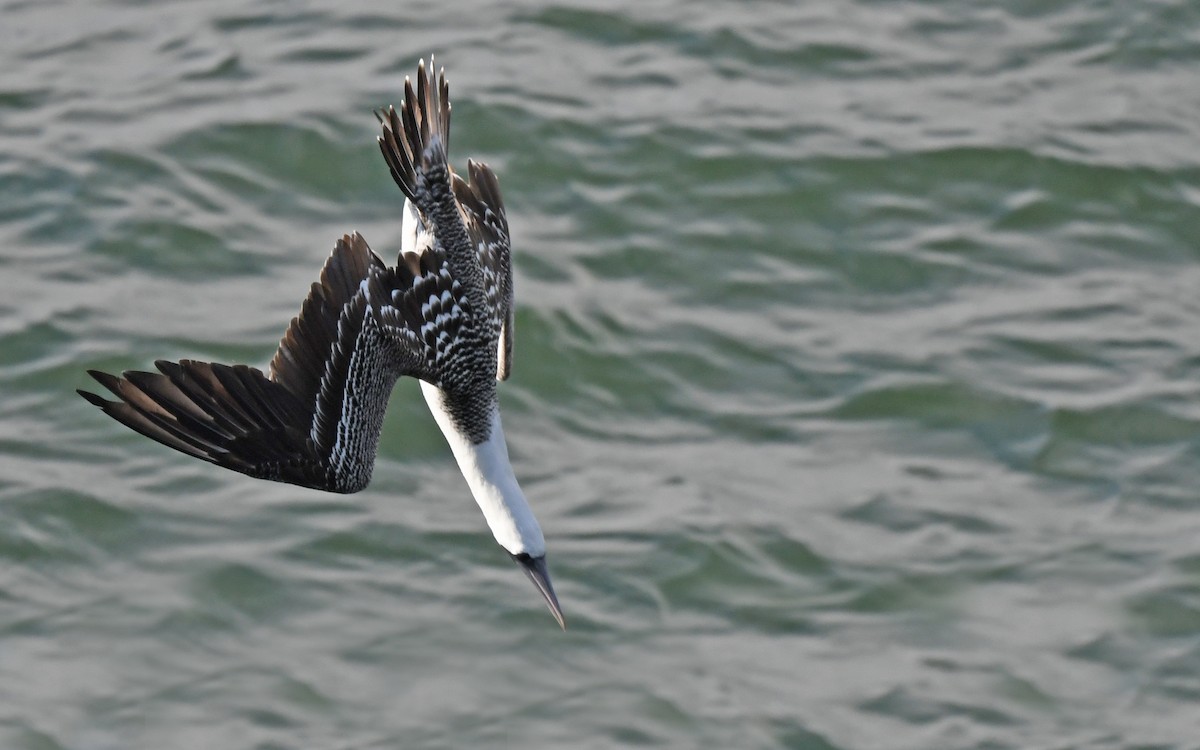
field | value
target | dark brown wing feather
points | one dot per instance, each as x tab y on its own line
299	363
284	426
231	416
405	134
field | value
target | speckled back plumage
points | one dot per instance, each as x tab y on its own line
468	228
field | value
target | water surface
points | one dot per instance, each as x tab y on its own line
856	378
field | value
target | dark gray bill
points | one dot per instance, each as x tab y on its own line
535	568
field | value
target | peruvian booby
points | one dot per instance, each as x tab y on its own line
443	314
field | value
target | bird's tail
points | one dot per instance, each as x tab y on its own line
416	139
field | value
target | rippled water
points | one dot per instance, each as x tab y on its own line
857	383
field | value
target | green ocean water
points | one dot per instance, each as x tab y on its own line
856	382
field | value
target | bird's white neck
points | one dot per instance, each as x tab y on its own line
490	476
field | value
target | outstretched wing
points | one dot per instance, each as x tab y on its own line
482	210
315	419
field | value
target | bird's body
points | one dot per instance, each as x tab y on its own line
442	314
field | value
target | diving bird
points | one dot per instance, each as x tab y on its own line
443	314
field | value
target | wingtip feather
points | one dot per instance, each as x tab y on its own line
415	141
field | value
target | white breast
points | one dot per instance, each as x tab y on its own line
490	476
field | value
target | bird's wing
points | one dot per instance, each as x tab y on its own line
482	210
407	134
314	419
424	117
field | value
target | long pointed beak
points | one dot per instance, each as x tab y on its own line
535	568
